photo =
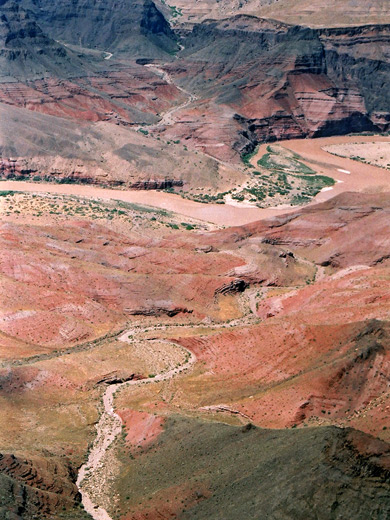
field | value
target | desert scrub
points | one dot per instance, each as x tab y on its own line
246	157
283	161
206	198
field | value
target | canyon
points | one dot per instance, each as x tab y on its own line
194	260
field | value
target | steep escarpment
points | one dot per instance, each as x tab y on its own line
27	52
239	81
275	81
42	73
255	473
37	488
135	27
358	57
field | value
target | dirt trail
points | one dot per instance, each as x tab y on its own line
167	118
110	426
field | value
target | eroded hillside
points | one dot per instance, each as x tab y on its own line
194	316
219	86
289	311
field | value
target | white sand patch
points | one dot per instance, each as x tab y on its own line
238	204
17	316
328	188
348	270
216	145
343	171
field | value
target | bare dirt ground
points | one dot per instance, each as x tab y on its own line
322	13
375	153
218	214
294	341
362	177
92	481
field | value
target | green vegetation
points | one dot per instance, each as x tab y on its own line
205	198
232	472
175	11
283	179
274	160
246	157
72	206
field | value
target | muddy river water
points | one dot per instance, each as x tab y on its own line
350	176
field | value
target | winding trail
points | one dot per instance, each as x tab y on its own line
110	426
110	423
167	118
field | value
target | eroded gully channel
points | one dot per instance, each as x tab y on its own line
110	426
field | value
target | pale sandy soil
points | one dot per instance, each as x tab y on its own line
92	479
375	153
363	177
322	13
216	213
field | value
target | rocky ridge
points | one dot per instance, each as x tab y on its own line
284	82
250	80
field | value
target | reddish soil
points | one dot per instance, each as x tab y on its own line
119	96
314	350
304	363
320	354
142	429
169	502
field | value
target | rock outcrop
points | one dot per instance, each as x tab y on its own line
249	80
135	27
27	52
276	81
235	286
52	149
32	489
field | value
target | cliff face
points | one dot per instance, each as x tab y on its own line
41	70
280	81
35	488
252	80
26	51
136	27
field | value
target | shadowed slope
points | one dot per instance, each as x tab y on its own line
230	472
